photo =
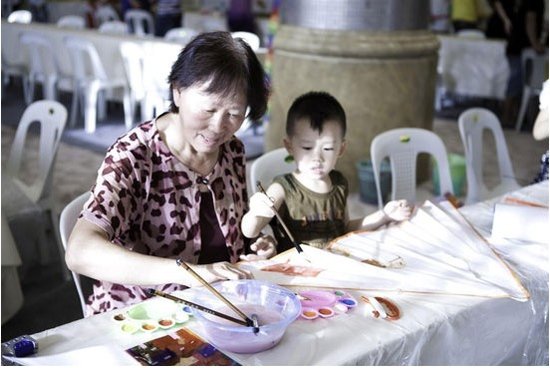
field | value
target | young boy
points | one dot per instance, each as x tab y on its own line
312	199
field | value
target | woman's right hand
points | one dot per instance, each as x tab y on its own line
218	272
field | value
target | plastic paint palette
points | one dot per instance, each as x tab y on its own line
325	303
150	316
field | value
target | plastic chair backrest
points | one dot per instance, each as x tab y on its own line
251	38
67	221
133	61
402	146
105	13
132	57
85	60
72	21
20	16
268	166
181	35
140	22
52	117
157	63
113	26
472	124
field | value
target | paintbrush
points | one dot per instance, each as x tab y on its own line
252	322
280	219
197	306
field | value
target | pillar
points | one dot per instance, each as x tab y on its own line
375	56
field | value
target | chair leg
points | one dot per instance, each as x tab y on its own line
524	102
49	89
74	107
28	89
90	109
55	229
128	110
101	105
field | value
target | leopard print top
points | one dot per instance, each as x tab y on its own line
146	200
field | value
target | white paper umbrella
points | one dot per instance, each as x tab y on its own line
436	251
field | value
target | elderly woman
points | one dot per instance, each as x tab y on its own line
175	187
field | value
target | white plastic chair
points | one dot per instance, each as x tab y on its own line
402	146
105	13
251	38
268	166
471	124
535	72
10	69
20	16
52	117
113	27
133	59
71	21
67	221
44	68
91	80
157	63
181	35
140	22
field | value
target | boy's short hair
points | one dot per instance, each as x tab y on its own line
317	107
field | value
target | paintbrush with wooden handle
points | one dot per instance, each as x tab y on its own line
280	219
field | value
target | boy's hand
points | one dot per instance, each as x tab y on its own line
398	210
261	205
265	247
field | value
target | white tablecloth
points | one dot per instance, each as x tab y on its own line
433	329
473	67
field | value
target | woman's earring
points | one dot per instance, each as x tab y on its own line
289	159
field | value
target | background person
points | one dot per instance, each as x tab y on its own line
520	22
168	15
174	187
125	5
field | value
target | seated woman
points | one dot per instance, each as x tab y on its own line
175	187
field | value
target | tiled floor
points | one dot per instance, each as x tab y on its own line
51	301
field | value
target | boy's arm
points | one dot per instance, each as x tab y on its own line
393	211
262	210
369	222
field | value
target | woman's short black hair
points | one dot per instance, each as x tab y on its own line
229	63
318	108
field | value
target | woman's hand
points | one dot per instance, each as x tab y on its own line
218	272
264	247
398	210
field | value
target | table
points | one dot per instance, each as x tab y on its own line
433	330
159	52
473	67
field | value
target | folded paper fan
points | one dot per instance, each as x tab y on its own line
436	251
